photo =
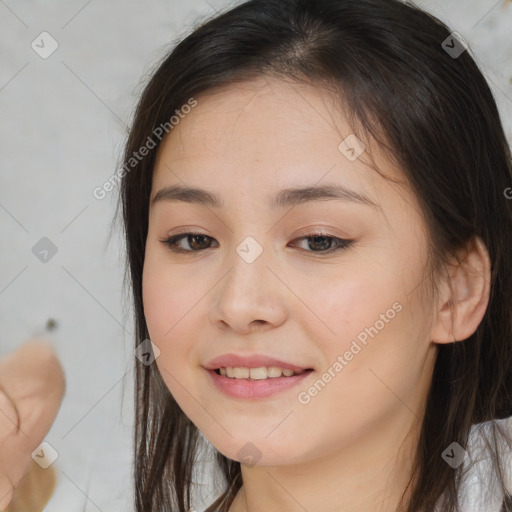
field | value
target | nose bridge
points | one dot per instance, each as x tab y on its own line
249	266
248	293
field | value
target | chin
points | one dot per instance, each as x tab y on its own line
258	451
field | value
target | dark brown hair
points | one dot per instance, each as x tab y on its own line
436	117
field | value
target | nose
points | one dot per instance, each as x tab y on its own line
249	297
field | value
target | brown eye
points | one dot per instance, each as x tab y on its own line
320	242
196	241
325	244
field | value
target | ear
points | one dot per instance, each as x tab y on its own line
464	295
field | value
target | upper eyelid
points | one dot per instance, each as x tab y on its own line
313	233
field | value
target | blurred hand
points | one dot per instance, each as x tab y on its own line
32	386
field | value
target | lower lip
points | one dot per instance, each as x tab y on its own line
247	388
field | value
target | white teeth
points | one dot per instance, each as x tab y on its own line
274	371
260	373
241	373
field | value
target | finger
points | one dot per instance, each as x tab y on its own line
32	385
34	380
9	418
6	491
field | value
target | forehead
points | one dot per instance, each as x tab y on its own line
256	117
265	132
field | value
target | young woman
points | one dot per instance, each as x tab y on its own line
327	195
316	201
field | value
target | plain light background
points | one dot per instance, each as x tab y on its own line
63	123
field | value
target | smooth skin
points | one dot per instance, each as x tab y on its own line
348	448
32	386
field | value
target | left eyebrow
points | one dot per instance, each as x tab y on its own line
284	198
292	196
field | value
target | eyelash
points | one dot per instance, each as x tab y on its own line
342	244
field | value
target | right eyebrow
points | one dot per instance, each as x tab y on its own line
199	196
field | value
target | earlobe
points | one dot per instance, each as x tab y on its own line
465	295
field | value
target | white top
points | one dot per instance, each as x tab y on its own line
480	491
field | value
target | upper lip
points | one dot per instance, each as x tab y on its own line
249	361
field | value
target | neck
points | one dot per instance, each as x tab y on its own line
365	474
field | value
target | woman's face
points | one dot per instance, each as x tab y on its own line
256	282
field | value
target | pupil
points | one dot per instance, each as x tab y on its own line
325	245
195	237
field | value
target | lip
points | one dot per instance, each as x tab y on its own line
250	389
250	361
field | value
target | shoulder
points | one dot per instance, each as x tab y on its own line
480	489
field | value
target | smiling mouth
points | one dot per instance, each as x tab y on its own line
260	373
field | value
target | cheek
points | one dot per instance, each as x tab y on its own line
369	334
163	309
171	301
340	307
168	296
